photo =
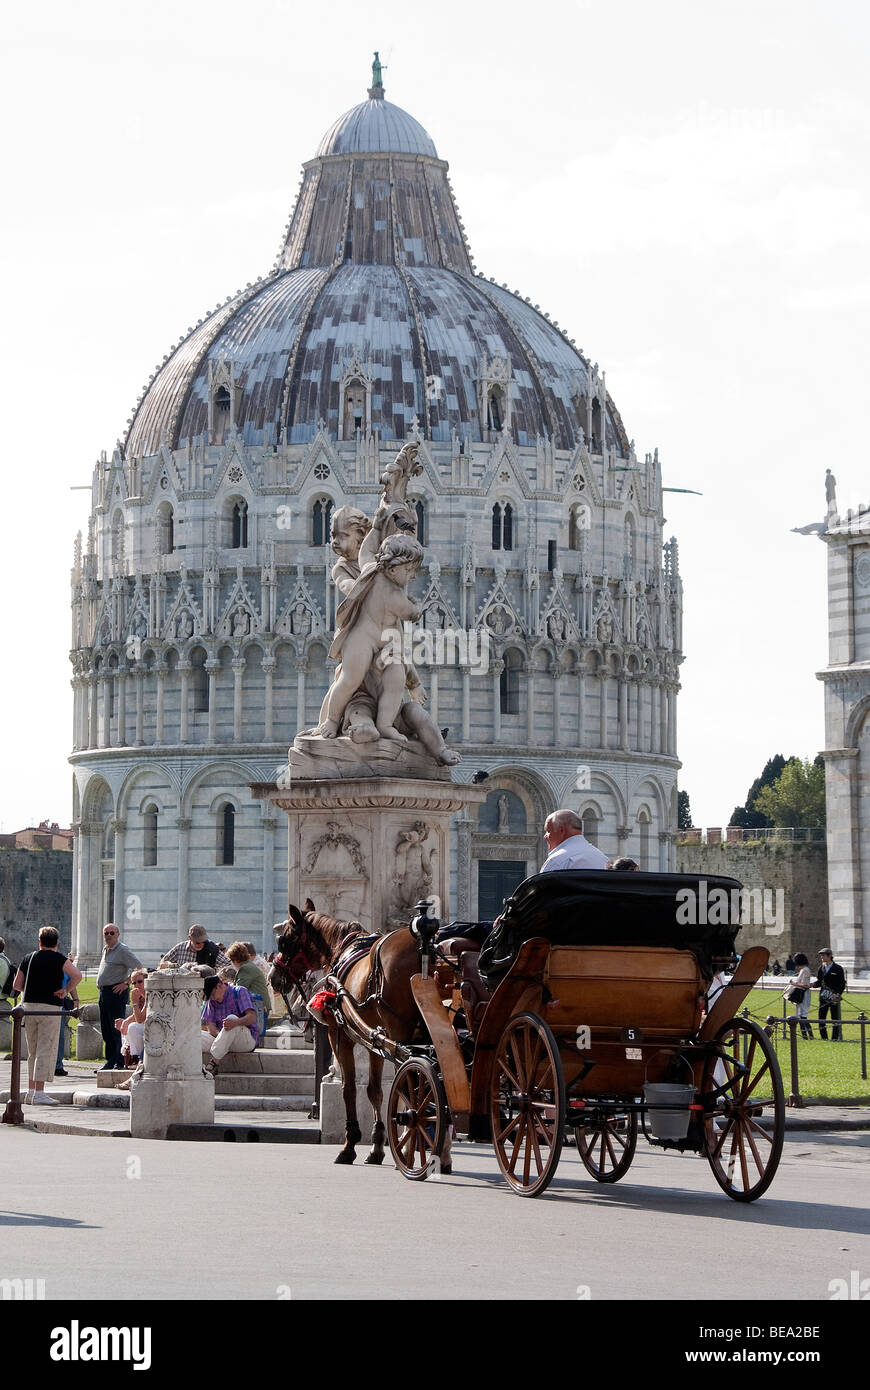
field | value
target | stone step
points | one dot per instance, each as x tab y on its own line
286	1040
269	1062
241	1084
120	1100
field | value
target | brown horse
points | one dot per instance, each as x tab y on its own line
380	983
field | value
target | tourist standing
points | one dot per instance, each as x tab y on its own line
831	982
801	985
113	981
40	976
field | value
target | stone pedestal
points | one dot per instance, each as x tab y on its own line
89	1039
332	1118
367	849
172	1089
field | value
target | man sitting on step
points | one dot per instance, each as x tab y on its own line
229	1022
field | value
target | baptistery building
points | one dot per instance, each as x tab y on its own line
202	599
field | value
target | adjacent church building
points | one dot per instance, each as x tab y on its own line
847	730
202	600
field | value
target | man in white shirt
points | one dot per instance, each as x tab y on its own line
568	846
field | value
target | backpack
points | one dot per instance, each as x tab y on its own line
6	986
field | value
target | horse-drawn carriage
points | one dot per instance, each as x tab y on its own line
588	1013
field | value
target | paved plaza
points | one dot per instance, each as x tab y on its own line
79	1210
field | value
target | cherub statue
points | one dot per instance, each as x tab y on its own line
377	603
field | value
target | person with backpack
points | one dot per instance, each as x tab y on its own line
198	950
7	972
831	983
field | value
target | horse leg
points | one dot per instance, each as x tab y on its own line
343	1048
376	1095
445	1154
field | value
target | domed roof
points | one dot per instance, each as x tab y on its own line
376	127
375	284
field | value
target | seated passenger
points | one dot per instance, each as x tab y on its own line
568	846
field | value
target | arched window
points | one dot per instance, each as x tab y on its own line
321	521
643	824
165	529
420	511
579	521
222	413
239	539
509	683
198	682
354	416
590	826
628	544
118	536
495	409
226	835
503	526
149	857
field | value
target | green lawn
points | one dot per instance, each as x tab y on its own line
824	1068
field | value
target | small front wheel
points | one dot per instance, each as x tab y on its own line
606	1144
416	1119
527	1104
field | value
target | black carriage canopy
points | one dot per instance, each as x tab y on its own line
594	907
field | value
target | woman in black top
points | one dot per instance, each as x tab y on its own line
40	976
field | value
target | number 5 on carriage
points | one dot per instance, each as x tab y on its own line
584	1037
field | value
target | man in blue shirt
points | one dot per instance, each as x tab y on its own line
229	1022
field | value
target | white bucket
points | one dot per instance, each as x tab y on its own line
668	1124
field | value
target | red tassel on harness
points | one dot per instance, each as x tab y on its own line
322	1001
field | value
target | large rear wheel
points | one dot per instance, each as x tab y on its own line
744	1127
527	1104
416	1119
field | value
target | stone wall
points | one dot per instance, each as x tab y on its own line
798	869
35	891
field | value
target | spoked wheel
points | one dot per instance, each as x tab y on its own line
743	1135
527	1104
606	1144
416	1118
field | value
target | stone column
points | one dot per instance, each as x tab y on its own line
602	710
845	897
106	736
122	709
497	668
120	905
530	705
640	691
140	706
301	668
623	713
663	718
238	672
269	664
172	1088
269	825
672	721
183	823
581	709
161	680
433	693
184	706
93	684
466	704
557	710
212	668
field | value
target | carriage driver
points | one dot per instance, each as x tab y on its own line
568	846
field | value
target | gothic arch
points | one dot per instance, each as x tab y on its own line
234	773
855	722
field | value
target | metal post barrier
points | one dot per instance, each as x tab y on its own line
795	1099
13	1114
862	1020
322	1056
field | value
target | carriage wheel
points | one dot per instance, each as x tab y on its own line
743	1136
606	1144
416	1118
527	1104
